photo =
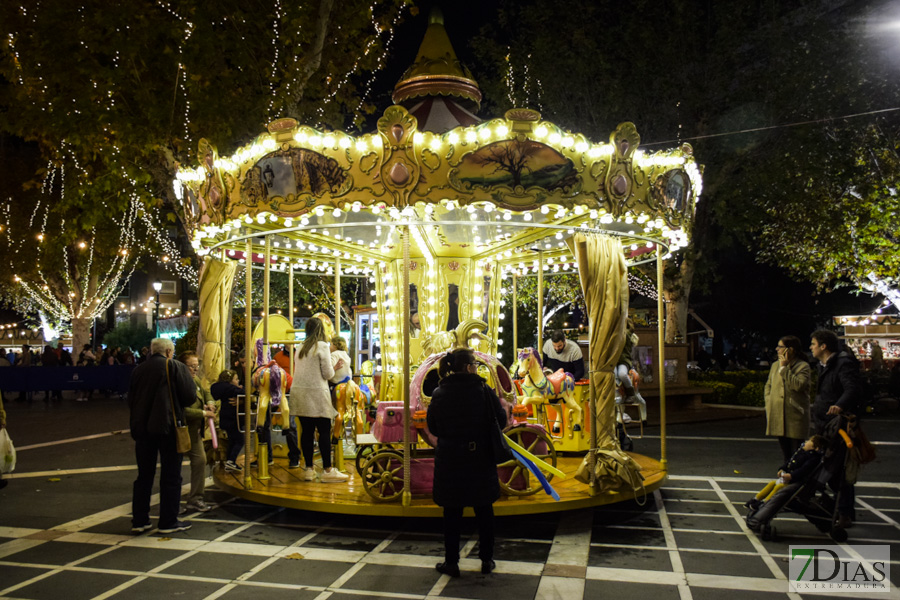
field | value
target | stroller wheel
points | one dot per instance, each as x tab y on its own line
768	533
839	534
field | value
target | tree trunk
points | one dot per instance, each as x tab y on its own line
81	335
677	293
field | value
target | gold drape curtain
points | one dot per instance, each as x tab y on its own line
216	281
604	281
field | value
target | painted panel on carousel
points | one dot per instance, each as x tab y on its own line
292	179
518	165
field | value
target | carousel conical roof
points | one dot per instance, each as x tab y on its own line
437	71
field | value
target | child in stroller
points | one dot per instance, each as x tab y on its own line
796	470
804	491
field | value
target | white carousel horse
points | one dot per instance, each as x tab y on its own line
539	388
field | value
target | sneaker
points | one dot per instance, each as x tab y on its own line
448	569
294	464
487	566
334	476
176	527
255	463
309	474
142	528
230	465
199	505
753	504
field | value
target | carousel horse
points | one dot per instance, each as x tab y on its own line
539	388
350	401
271	381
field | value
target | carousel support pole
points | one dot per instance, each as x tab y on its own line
404	336
661	339
262	450
291	312
339	446
515	314
540	299
248	340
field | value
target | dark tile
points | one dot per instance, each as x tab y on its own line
543	527
630	558
518	551
880	503
71	585
119	526
131	558
347	540
270	535
302	572
55	553
698	508
674	493
699	593
11	576
713	541
642	518
497	586
202	530
420	545
725	564
594	589
240	511
215	564
154	588
254	592
687	483
703	522
628	537
387	578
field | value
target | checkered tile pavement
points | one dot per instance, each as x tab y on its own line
687	541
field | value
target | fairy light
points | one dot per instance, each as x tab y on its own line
276	23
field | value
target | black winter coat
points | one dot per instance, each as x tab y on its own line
465	473
802	464
839	383
148	396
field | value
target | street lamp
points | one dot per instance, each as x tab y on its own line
157	285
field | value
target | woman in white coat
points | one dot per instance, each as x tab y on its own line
311	400
787	396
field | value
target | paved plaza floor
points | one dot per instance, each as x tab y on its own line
64	529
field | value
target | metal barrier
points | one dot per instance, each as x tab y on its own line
39	379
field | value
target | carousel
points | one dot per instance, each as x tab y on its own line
442	212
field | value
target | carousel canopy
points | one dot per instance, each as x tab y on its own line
489	191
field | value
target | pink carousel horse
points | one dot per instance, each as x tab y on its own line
539	388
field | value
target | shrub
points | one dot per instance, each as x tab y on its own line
125	335
752	394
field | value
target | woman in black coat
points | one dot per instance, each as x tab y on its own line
461	414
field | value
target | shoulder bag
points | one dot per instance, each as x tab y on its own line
182	436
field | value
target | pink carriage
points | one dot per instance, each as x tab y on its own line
380	465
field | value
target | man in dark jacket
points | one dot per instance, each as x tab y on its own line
157	386
837	392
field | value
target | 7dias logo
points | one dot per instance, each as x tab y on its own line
840	569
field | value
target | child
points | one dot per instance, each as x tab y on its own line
226	390
796	470
340	361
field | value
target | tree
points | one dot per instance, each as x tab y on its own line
726	78
118	94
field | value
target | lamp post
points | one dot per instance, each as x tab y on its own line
157	286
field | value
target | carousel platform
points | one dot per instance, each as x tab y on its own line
286	488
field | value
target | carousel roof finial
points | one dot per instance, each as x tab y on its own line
437	72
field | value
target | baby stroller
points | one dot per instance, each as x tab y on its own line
812	498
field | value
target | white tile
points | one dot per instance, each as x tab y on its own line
560	588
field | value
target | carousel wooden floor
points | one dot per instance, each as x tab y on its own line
285	487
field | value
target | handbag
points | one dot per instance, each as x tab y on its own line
182	436
7	453
499	448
